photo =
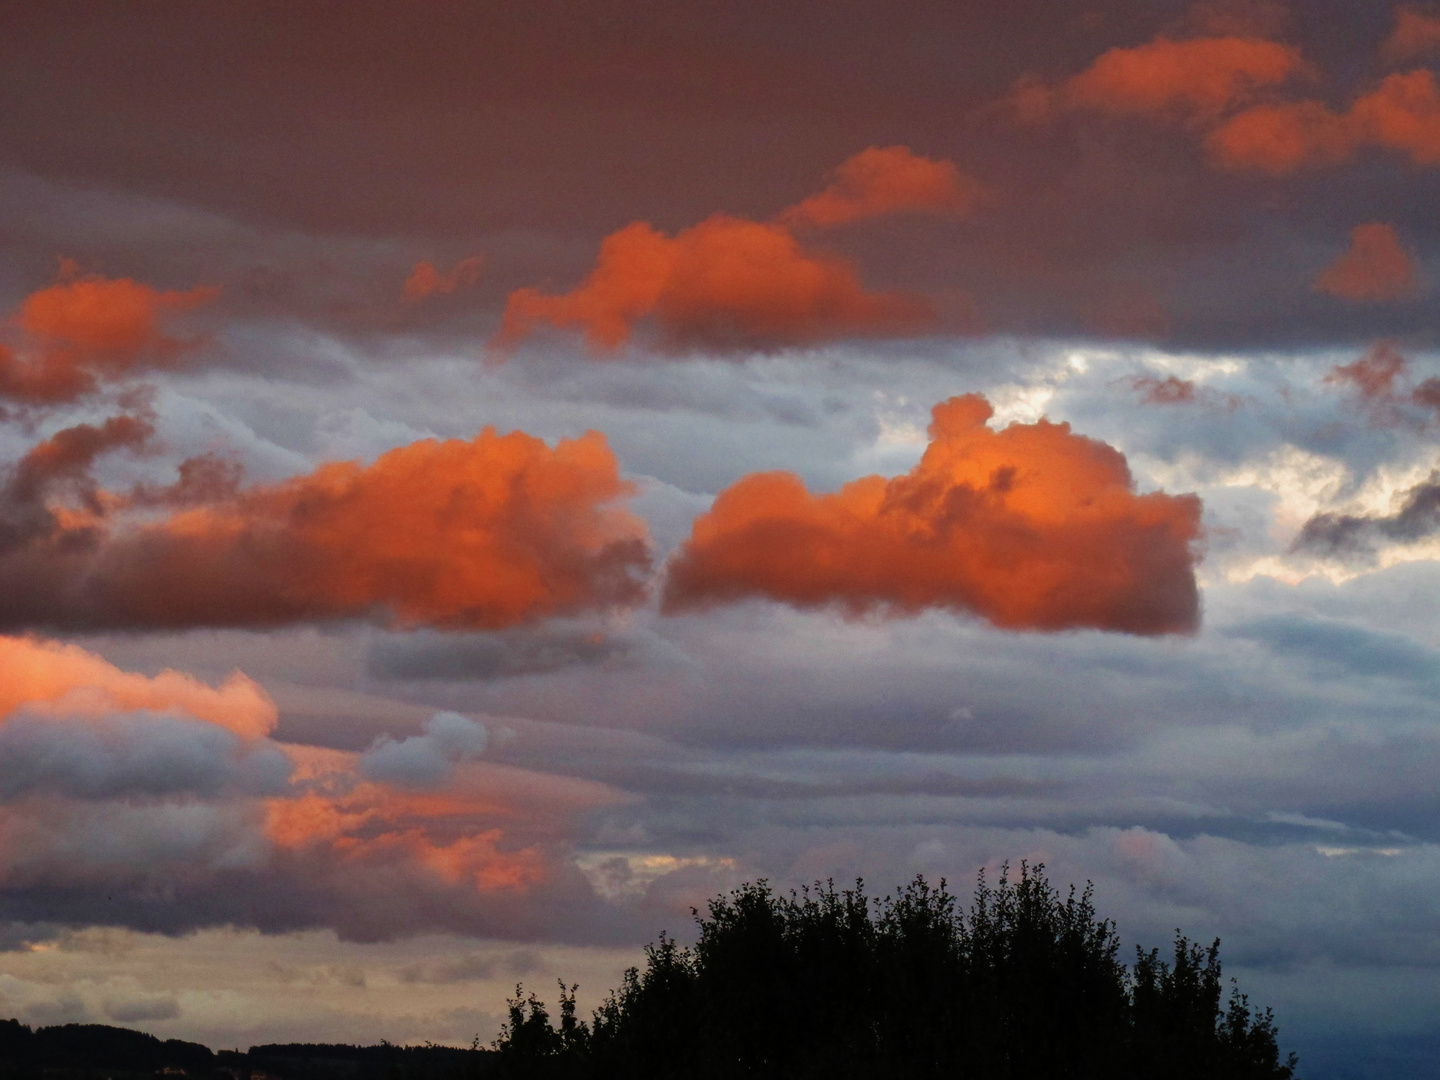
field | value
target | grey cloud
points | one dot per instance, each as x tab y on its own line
1358	535
134	1010
428	655
428	759
132	754
1354	649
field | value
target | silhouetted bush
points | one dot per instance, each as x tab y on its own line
1026	985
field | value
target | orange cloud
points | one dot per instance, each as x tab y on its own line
1032	528
1375	268
726	282
888	180
1401	114
425	280
67	681
1201	77
375	823
1415	34
82	331
730	282
480	534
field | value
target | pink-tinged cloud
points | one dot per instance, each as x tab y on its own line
1374	374
1170	390
425	280
66	680
1375	268
1416	34
1031	528
1200	77
488	533
725	283
81	332
887	180
1401	114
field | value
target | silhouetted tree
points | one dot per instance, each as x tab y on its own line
823	983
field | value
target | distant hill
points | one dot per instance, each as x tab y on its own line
99	1052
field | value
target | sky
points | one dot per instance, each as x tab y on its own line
478	480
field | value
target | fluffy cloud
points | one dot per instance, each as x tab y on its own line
487	533
730	282
1416	34
726	282
1201	77
1032	528
1401	114
1375	268
87	330
888	180
426	760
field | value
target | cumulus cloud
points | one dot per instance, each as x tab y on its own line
1193	80
1416	34
726	282
1375	268
1200	77
1031	527
87	330
730	282
425	280
492	532
1401	114
428	759
887	180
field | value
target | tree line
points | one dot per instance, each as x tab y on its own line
1024	985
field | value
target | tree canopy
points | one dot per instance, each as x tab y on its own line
1025	985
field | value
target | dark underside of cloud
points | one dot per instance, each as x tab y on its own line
1355	536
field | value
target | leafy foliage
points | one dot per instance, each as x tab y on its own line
1025	986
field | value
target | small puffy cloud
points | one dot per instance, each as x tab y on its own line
489	533
87	330
1416	34
725	283
1401	114
425	280
1374	374
428	759
1200	77
887	180
1031	528
1375	268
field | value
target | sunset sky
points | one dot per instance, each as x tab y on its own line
482	478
